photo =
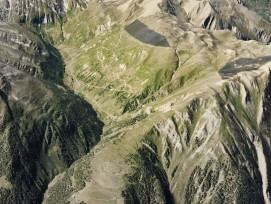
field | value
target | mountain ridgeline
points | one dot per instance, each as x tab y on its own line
37	12
216	151
135	101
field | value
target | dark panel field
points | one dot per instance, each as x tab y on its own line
243	64
142	33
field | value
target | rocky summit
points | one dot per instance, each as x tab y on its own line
135	101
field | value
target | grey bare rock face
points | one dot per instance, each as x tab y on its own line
37	12
25	51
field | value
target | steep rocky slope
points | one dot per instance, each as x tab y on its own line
262	7
229	14
25	51
44	126
37	12
216	151
44	129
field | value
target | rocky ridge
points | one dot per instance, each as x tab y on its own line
37	12
232	15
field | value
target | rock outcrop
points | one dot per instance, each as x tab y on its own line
229	14
37	11
25	51
214	152
203	14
